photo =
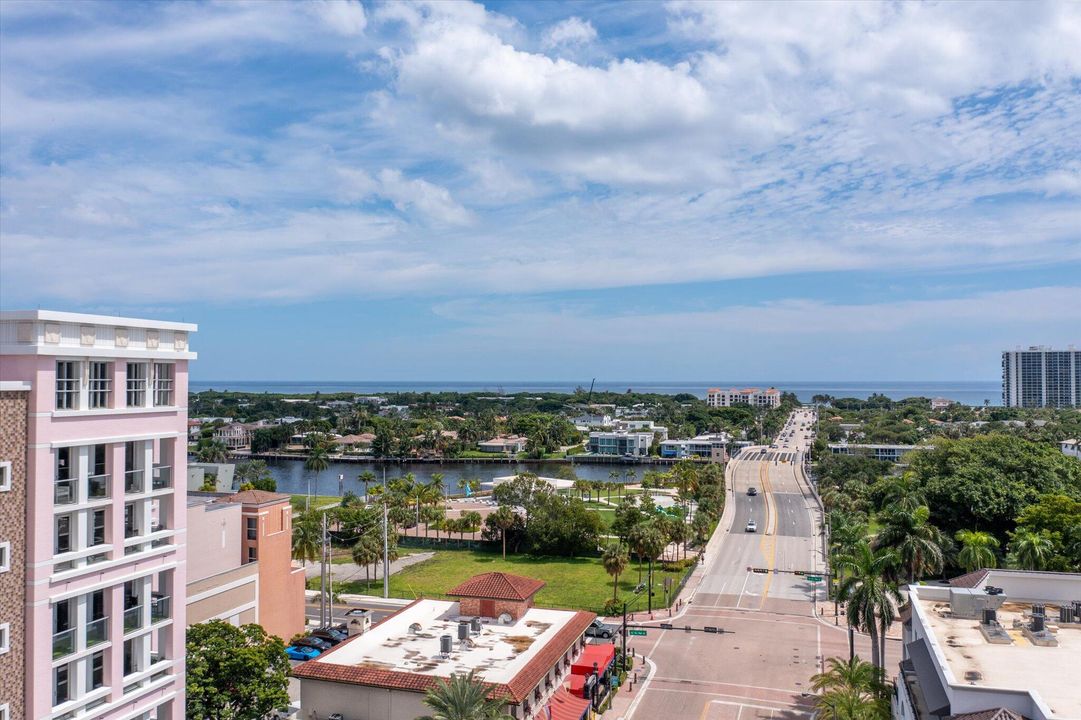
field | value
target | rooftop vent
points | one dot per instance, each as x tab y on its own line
463	630
1038	625
990	616
1038	609
505	619
415	629
992	590
446	643
973	675
1065	614
474	625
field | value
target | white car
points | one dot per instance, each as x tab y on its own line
752	526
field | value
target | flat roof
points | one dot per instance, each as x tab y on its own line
1050	673
403	651
71	317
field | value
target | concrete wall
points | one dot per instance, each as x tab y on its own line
197	473
281	585
214	532
232	595
358	702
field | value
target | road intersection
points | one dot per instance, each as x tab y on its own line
756	589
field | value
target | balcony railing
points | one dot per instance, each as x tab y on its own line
133	481
66	491
63	643
133	618
159	608
131	531
97	631
97	487
163	477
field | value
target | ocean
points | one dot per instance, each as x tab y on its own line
976	392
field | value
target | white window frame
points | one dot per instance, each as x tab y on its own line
165	385
4	712
5	556
71	391
99	387
5	638
142	384
5	481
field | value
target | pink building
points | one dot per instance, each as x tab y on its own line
105	519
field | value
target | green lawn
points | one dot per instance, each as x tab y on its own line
578	583
318	501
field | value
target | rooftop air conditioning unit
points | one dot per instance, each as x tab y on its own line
446	644
474	625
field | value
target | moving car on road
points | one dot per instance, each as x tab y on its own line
752	490
752	526
301	652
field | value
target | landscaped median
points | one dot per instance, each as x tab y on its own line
574	583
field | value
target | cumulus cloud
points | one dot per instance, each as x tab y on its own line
572	31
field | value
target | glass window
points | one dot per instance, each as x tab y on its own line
163	384
97	528
67	386
131	663
253	527
61	685
96	675
136	384
252	554
63	534
101	384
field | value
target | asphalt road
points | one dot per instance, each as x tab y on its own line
773	639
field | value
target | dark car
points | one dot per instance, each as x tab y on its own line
752	491
600	629
317	643
331	636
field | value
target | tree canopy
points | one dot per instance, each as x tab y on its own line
234	673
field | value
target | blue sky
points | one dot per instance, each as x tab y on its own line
551	190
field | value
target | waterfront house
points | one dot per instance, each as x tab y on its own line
512	444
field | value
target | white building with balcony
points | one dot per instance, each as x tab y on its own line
105	546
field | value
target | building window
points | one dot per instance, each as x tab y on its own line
97	529
131	664
253	527
163	384
61	685
4	712
5	475
252	554
67	385
5	637
5	556
101	384
95	676
63	534
136	384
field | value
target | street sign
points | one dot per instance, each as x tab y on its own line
666	626
814	578
639	633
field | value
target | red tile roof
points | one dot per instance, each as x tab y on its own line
518	689
565	706
254	497
498	586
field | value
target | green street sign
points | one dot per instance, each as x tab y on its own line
632	631
814	578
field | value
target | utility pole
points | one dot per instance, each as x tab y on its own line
386	542
649	590
323	576
624	666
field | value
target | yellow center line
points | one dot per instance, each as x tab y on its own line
771	555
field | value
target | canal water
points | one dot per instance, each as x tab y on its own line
293	478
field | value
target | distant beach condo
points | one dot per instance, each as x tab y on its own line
754	397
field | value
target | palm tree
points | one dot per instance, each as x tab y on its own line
916	542
472	520
903	493
872	598
503	518
1030	549
366	553
463	697
615	561
367	477
854	673
977	549
306	539
583	486
317	461
850	704
436	484
213	452
613	477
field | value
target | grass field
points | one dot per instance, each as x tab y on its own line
318	501
579	583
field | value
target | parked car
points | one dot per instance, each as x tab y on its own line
317	643
752	491
301	652
331	636
600	629
752	526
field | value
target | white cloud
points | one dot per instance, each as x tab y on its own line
572	31
346	17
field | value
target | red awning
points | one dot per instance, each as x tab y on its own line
602	655
577	685
564	706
